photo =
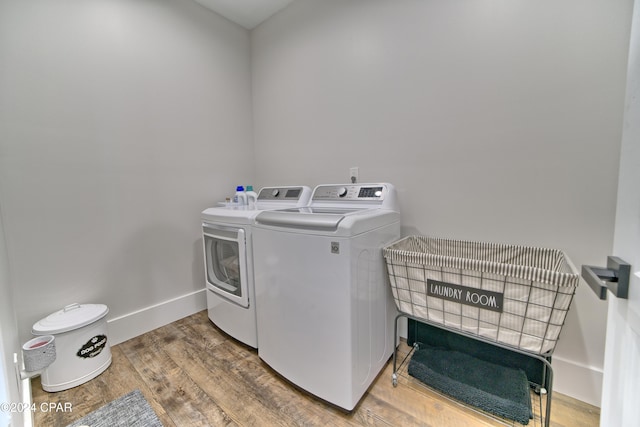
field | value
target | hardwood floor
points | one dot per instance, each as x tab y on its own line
194	375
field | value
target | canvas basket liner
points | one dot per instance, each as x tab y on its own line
537	285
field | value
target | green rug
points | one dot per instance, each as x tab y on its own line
445	338
493	388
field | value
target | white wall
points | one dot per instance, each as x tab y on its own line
496	120
120	121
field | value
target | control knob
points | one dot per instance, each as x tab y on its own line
342	191
275	192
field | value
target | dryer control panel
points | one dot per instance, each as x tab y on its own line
281	193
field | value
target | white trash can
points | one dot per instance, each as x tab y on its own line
82	346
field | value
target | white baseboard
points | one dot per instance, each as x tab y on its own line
576	380
131	325
27	416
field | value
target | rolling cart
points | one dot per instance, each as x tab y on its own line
512	297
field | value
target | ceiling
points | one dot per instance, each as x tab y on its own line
247	13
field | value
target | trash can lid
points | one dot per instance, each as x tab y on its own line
73	316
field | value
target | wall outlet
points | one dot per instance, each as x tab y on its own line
353	174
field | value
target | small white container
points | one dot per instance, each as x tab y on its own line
39	352
82	347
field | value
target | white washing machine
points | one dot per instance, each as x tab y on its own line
228	259
325	309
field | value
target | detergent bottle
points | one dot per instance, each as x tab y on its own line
252	196
241	197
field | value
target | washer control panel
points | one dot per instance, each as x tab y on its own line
350	192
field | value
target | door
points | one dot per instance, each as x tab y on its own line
9	344
621	384
226	262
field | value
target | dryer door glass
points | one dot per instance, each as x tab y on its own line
224	265
224	252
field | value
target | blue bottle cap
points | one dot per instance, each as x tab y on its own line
249	187
240	188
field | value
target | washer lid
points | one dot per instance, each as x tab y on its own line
309	218
73	316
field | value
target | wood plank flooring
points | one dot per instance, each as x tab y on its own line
192	374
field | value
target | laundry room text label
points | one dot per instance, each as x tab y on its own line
464	295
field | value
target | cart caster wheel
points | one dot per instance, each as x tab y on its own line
542	391
394	380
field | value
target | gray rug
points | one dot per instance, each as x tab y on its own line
130	410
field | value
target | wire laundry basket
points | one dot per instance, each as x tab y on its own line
515	295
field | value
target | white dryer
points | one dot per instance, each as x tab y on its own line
228	259
325	309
